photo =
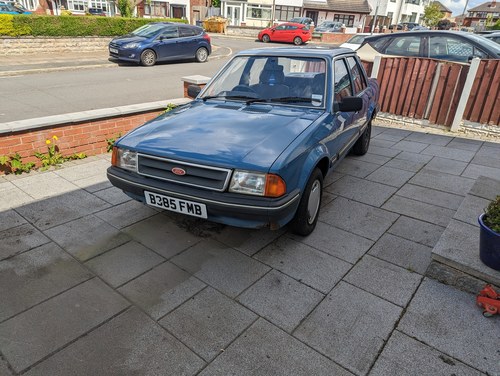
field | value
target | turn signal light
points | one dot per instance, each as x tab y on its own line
275	186
114	157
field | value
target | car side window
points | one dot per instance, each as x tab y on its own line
358	79
449	48
281	27
170	33
404	46
342	83
291	27
186	32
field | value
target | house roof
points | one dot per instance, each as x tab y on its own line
344	6
442	8
491	6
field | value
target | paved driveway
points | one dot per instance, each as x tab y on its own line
92	283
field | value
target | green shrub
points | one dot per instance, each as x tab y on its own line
72	26
492	215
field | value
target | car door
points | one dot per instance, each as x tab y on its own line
279	34
166	44
449	47
405	45
187	42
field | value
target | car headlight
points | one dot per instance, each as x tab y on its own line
131	45
256	183
124	158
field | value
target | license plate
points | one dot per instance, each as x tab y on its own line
113	50
177	205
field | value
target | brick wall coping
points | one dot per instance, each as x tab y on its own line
196	79
77	117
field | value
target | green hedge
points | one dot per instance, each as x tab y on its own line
72	26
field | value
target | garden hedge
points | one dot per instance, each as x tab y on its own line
72	26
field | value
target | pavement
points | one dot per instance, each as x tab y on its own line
93	283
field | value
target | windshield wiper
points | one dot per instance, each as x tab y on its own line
249	99
291	99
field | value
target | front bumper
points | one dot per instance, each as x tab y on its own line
126	55
222	207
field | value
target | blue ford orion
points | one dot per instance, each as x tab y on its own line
254	147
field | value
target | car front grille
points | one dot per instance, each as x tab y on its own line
201	176
114	45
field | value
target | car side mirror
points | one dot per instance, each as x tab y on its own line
193	91
350	104
161	38
273	29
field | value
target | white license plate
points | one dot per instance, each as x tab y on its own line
177	205
113	50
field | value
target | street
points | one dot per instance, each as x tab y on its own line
109	85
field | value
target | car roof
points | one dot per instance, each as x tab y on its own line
305	51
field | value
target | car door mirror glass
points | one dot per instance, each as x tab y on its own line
350	104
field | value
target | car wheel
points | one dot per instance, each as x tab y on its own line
361	146
266	38
307	213
148	58
201	55
297	41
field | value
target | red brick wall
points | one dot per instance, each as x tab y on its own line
335	38
89	137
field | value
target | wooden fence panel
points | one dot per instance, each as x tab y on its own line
426	77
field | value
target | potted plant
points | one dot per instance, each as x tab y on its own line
489	236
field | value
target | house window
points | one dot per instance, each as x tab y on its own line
259	11
284	13
77	5
346	19
100	4
416	2
155	9
389	16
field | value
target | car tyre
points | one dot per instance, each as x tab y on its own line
306	217
297	41
201	55
266	38
361	146
148	58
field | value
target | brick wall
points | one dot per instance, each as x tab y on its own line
335	38
89	137
34	45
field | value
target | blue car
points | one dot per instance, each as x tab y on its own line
10	8
254	147
162	41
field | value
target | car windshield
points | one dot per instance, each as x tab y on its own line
357	39
297	81
486	42
148	30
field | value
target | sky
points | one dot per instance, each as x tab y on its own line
457	6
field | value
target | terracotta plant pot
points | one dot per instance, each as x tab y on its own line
489	245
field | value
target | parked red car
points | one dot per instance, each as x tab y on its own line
287	32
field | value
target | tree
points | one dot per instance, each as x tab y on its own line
125	8
432	14
444	24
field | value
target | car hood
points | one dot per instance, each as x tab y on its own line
222	134
124	39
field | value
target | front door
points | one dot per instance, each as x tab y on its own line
313	14
234	14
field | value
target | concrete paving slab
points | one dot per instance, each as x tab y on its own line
419	210
221	267
34	276
384	151
360	219
395	131
75	238
161	235
129	344
359	328
466	144
449	321
486	160
162	289
194	226
266	350
411	146
384	280
371	158
417	231
407	254
470	209
123	263
10	219
357	168
93	183
281	300
386	136
113	195
414	157
208	322
381	143
443	182
458	247
367	192
448	166
336	242
298	260
44	185
12	196
431	196
20	239
96	167
449	153
126	214
402	164
485	187
247	241
32	335
474	171
428	138
326	198
4	368
332	177
404	356
59	209
390	176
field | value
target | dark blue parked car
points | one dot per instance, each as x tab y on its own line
253	149
162	41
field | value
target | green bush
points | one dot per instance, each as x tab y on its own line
492	215
72	26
